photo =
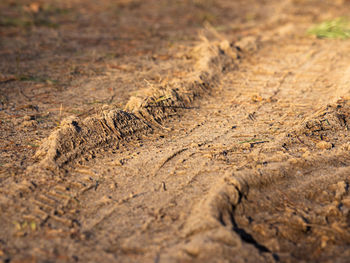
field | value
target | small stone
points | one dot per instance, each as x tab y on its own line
324	145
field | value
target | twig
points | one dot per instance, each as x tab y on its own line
253	143
24	95
169	106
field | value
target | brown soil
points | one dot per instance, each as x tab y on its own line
134	131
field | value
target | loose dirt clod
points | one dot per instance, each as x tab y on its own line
324	145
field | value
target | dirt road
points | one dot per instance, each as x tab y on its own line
236	151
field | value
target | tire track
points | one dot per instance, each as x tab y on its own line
220	181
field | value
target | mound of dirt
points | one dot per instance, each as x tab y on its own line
149	108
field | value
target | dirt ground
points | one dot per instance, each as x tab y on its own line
173	131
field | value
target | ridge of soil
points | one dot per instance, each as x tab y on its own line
150	107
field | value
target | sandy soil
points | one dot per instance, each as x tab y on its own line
173	131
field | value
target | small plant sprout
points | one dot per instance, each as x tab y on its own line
338	28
